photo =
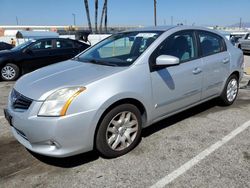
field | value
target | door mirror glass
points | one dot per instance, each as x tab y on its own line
164	60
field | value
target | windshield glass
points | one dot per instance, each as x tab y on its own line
23	45
120	49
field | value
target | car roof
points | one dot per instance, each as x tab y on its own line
178	27
53	39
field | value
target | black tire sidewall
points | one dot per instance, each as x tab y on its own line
223	97
15	67
101	143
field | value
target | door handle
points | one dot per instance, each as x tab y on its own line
225	61
197	70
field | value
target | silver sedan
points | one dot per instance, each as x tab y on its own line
102	98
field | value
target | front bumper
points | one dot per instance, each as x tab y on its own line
53	136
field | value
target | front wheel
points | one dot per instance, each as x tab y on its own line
10	72
230	91
119	131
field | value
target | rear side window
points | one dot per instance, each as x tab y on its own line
211	43
62	44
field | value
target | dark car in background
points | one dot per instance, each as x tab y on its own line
35	54
5	46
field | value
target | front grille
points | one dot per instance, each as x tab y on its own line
18	101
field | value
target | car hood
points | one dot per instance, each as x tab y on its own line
38	85
7	53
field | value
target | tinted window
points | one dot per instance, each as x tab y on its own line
210	43
181	45
64	44
40	45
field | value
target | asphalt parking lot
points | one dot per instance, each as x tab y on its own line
175	152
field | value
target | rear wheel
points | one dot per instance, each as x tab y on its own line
119	131
230	91
10	72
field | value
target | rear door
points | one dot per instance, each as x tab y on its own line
38	55
64	49
216	61
178	86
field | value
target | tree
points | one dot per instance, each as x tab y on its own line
104	12
96	15
87	13
106	17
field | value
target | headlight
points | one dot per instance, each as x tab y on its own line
58	102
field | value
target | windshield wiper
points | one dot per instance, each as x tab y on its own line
98	62
101	63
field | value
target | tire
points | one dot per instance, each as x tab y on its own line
230	91
10	72
122	127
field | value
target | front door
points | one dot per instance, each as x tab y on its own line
38	55
176	87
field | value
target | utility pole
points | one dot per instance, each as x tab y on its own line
17	23
74	18
172	20
155	12
240	23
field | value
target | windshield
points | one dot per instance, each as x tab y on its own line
120	49
23	45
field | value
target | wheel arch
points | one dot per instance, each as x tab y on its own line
236	73
3	63
132	101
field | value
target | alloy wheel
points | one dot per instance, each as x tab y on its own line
122	131
8	72
232	89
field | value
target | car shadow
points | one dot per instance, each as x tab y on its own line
67	162
77	160
178	117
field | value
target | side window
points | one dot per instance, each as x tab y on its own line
64	44
42	45
210	43
180	44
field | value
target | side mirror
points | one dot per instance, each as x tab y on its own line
167	60
27	51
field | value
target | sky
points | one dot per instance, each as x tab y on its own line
125	12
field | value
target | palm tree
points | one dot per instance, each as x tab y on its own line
103	13
106	17
96	15
155	12
87	13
